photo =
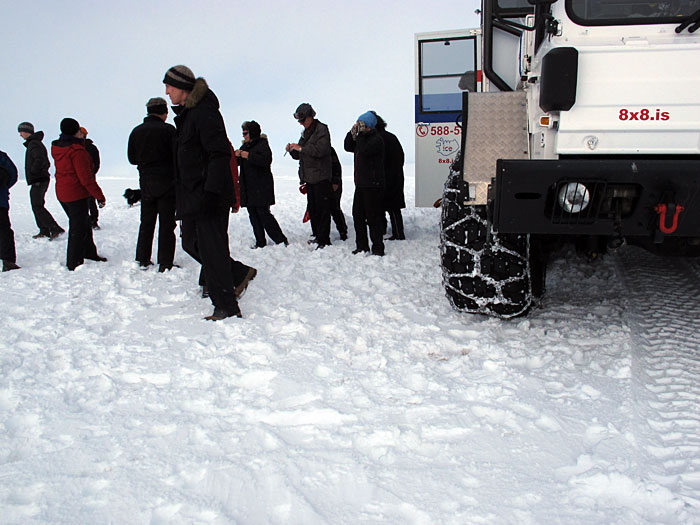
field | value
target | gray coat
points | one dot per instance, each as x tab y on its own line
315	155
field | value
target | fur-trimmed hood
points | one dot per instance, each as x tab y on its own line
199	92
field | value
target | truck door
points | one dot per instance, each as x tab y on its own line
447	63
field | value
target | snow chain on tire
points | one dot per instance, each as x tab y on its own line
486	274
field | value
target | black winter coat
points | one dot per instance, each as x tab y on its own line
36	160
151	149
315	154
256	181
94	155
203	178
337	177
393	170
369	159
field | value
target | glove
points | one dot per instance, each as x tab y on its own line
357	128
302	189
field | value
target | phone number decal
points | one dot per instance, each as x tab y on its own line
643	114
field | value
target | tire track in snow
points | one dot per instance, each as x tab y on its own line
664	300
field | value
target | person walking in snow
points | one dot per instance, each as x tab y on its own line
150	148
8	177
75	186
394	199
337	193
95	156
36	169
313	151
257	185
367	206
204	188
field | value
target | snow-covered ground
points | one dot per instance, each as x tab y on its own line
349	393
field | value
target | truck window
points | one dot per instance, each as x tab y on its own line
627	12
447	67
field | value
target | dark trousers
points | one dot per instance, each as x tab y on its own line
337	213
319	206
94	214
44	220
368	211
205	239
262	220
161	209
396	224
80	243
7	237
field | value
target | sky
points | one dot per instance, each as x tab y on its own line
99	62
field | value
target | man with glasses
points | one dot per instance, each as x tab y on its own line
313	151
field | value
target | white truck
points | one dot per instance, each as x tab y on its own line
559	120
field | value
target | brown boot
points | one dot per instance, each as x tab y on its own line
241	288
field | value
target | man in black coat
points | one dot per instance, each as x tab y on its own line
8	177
151	149
204	191
394	199
336	195
36	168
313	151
367	206
257	184
95	156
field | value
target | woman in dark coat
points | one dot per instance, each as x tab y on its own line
367	211
257	185
393	168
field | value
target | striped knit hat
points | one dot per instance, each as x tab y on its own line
180	77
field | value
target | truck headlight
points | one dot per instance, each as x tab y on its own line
573	197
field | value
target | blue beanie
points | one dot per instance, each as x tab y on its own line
369	119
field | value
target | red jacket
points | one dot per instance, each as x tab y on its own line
75	179
236	186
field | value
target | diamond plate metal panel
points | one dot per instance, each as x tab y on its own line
496	129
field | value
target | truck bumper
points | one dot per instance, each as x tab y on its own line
621	196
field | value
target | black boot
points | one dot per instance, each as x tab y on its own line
9	265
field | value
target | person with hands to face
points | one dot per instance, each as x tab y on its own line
75	186
257	184
367	207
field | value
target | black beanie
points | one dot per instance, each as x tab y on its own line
69	126
253	129
304	110
157	106
180	77
26	127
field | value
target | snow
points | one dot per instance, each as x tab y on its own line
350	392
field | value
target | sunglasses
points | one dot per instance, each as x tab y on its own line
245	132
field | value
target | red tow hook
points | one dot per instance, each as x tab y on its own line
662	209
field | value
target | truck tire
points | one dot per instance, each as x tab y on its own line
482	271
